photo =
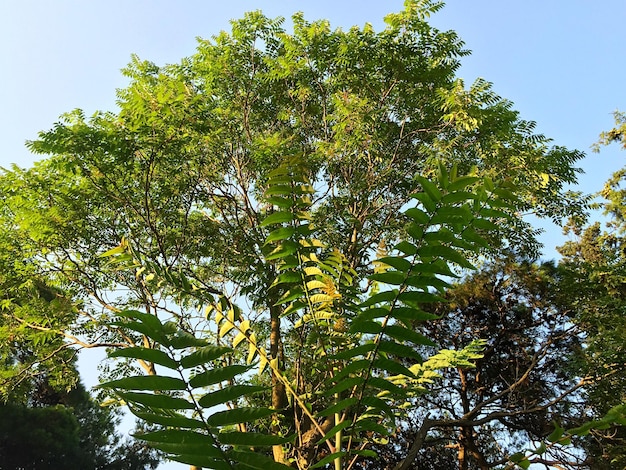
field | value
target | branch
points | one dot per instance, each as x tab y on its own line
422	432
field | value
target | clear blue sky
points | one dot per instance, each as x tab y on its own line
562	62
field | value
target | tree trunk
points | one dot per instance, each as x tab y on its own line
462	456
279	394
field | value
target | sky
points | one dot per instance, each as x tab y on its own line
561	62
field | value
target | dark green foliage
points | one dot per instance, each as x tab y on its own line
593	269
66	430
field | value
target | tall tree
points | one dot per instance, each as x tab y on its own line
180	168
522	385
594	269
181	178
56	428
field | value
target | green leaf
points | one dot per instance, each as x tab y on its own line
238	415
401	333
418	215
350	353
146	354
456	197
446	253
399	350
281	202
426	282
461	183
493	213
176	436
228	394
427	202
470	235
437	266
344	385
365	326
334	430
257	460
401	264
202	461
394	278
202	450
280	189
217	375
381	383
288	277
182	442
392	367
292	294
204	356
556	434
417	297
147	319
368	452
251	439
277	218
156	401
281	233
183	340
413	314
178	421
146	382
450	214
144	329
407	248
484	224
373	313
415	231
356	366
286	248
385	296
113	251
339	406
442	175
430	188
378	404
369	425
328	459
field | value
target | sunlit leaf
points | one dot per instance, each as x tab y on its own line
146	354
217	375
146	382
238	415
228	394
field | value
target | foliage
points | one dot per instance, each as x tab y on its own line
180	169
29	299
355	346
617	134
593	268
527	380
266	170
66	430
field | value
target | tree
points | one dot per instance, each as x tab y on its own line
186	158
593	267
617	134
29	299
349	364
181	174
522	385
66	429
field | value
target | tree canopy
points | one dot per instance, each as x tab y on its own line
291	203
